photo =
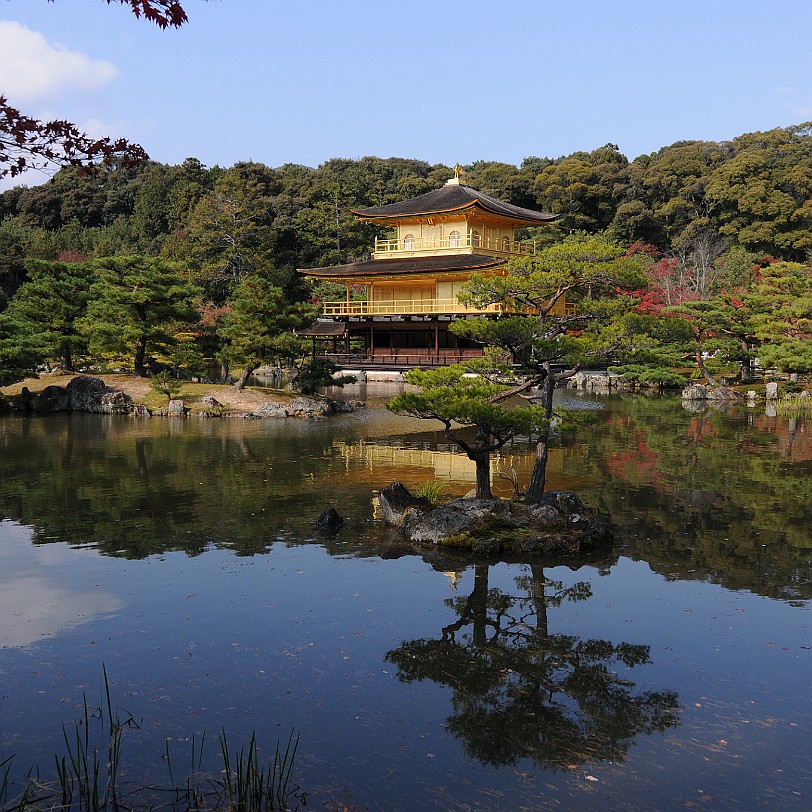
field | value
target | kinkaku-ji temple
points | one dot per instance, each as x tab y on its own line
412	281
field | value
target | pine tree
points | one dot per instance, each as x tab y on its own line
260	324
135	306
44	312
578	297
463	401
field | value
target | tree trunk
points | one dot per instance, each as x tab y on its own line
140	356
483	476
475	609
67	358
747	364
538	478
537	586
224	372
246	374
700	362
478	605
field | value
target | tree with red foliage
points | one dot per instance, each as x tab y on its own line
27	143
161	12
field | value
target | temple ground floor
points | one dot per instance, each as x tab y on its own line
394	343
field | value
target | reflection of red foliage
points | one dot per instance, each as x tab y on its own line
793	437
637	467
700	428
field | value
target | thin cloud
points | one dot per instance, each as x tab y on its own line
799	104
33	69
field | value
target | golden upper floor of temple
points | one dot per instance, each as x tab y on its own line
454	219
440	239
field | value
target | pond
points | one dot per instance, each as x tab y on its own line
180	559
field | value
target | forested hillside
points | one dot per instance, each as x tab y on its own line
705	213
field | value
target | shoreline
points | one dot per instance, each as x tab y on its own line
120	393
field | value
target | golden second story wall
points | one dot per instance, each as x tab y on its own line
452	236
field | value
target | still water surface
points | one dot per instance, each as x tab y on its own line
181	557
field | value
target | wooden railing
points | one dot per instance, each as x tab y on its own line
402	358
433	244
405	307
423	307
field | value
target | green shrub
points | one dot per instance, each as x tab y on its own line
318	373
650	376
164	384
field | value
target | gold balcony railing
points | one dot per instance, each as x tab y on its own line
404	307
427	245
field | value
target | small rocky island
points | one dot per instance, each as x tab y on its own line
560	525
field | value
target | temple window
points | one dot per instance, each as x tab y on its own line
454	239
475	239
506	243
408	242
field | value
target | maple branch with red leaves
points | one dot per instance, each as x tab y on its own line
27	143
161	12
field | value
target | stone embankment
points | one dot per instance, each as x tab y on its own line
599	382
86	393
699	391
561	525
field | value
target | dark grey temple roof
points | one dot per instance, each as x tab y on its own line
385	267
451	198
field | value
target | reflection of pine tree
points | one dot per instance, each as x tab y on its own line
521	692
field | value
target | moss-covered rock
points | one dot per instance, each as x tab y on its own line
560	525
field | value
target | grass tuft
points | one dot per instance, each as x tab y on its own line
87	774
791	405
432	490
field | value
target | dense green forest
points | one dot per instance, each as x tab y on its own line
210	244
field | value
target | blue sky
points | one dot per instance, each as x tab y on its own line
451	81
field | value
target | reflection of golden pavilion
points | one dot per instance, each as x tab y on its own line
415	465
438	240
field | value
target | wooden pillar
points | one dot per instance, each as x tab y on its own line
437	339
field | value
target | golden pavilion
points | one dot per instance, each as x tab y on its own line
439	240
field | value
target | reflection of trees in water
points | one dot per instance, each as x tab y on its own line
134	489
722	497
710	495
523	692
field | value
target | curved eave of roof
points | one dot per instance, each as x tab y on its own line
448	200
413	265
